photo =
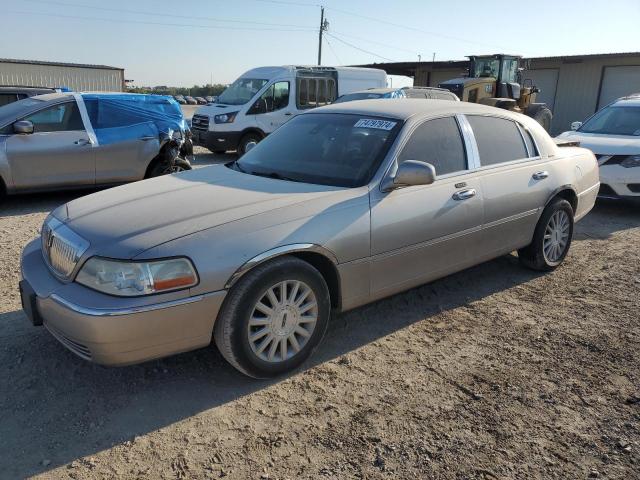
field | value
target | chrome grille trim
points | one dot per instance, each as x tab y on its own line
61	248
200	122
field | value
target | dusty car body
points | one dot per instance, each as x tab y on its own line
365	199
79	140
371	94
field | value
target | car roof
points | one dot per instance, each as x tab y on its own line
408	107
374	90
632	100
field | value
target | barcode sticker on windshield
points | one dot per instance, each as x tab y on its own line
379	124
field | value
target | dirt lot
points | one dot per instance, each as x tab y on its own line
493	373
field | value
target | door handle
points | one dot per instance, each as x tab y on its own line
464	194
288	114
151	137
82	142
540	175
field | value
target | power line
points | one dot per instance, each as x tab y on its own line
333	51
141	22
141	12
414	29
285	2
358	48
376	43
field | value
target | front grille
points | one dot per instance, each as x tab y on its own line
200	122
61	247
634	187
76	347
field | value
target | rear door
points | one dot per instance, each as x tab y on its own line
423	232
58	153
516	182
126	145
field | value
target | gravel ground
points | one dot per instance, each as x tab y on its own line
493	373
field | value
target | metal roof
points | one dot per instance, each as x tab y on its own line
58	64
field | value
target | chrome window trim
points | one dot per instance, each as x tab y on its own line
115	312
526	146
403	138
473	156
482	168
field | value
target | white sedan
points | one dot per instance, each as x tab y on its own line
613	135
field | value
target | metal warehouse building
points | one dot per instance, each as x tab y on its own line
77	77
573	86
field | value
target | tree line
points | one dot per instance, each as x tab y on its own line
195	91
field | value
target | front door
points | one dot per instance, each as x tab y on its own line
424	232
272	109
58	153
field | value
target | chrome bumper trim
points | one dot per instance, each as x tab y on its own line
114	312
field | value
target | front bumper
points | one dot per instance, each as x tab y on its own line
620	182
216	141
111	330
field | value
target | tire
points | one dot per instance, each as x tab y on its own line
540	253
247	138
160	168
543	116
232	328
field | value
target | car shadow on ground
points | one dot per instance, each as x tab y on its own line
57	408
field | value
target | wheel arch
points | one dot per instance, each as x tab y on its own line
317	256
568	193
252	130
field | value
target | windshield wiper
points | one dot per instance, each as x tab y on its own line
275	175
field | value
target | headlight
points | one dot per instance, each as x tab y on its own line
631	161
130	279
225	117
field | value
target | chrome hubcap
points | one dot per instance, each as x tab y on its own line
282	321
556	236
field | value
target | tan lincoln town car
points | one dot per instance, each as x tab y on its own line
339	207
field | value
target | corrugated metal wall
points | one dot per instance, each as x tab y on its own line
76	78
578	87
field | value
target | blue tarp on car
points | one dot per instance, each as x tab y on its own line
118	117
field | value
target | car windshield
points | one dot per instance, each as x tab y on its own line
342	150
614	121
358	96
241	91
486	67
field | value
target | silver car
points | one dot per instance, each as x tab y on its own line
339	207
71	140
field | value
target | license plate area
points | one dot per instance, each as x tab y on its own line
29	303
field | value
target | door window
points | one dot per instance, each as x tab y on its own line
7	98
498	140
58	118
276	97
439	143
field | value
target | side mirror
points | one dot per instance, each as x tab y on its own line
575	125
409	173
23	127
249	146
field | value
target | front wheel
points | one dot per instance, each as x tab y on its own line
273	318
551	239
543	116
247	139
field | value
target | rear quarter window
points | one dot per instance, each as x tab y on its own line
498	139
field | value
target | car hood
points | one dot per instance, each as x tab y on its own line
124	221
605	144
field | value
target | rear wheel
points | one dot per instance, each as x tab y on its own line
161	168
543	116
273	318
552	237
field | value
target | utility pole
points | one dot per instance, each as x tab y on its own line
324	26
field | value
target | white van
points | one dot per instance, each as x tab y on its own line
264	98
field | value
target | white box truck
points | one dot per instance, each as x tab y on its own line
264	98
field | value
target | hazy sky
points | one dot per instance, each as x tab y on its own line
163	42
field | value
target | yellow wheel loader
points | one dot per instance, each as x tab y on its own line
495	80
